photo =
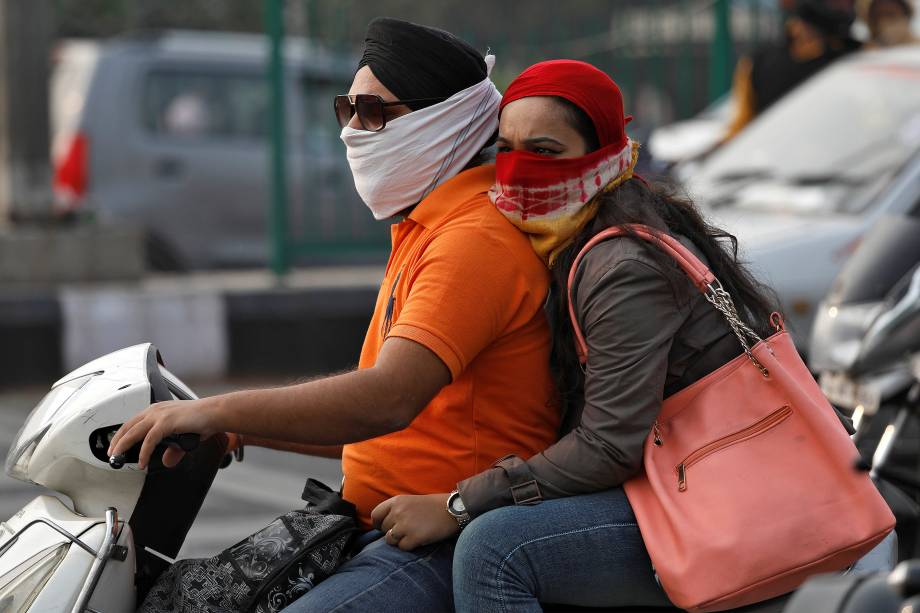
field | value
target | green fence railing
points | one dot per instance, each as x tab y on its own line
274	21
671	58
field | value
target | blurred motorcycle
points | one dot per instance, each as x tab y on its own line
865	335
899	590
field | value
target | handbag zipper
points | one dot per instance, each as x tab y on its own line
770	421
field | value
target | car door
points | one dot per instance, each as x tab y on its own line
203	150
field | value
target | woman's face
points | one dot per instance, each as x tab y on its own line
539	125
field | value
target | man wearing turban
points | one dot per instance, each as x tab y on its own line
454	371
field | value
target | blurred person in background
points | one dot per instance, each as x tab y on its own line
889	23
454	371
187	115
817	32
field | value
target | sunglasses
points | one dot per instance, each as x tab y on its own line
370	109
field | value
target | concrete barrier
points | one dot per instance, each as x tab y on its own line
37	255
207	325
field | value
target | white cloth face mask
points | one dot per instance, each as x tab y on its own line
400	165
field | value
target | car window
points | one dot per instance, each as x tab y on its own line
829	140
189	105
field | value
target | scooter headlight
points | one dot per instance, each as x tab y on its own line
21	586
37	425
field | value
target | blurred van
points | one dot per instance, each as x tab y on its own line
170	131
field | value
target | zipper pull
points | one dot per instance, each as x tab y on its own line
657	430
681	477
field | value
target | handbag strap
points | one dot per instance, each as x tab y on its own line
322	500
703	279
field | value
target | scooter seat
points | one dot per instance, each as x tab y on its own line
774	605
881	558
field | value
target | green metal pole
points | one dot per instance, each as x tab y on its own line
624	61
685	63
274	20
720	54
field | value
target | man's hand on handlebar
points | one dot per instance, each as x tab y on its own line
159	421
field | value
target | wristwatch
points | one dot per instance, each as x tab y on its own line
456	508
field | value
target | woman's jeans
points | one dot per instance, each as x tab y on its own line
582	550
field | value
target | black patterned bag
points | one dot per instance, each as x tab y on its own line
263	573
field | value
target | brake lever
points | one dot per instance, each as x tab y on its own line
187	441
237	454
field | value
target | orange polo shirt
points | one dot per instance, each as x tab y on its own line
465	283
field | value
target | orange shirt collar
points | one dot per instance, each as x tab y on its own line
440	202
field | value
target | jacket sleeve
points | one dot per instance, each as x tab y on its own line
629	316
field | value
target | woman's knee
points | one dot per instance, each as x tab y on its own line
475	545
485	542
483	577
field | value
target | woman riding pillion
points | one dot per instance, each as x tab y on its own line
564	172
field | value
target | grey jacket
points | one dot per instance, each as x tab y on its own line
645	342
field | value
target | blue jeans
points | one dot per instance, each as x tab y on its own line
581	551
385	578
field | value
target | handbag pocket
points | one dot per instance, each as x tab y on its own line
756	429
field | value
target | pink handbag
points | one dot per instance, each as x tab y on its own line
748	486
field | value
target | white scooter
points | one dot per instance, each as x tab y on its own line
125	523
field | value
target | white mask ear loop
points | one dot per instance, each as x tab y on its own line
449	160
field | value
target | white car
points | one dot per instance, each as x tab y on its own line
681	143
801	185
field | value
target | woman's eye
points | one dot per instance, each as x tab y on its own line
544	151
503	149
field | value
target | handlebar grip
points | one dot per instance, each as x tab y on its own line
187	441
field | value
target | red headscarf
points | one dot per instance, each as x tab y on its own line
551	199
583	85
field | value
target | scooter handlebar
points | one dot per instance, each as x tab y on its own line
187	441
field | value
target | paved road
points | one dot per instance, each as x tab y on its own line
244	497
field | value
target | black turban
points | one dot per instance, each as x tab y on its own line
414	61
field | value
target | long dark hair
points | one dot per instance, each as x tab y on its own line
660	207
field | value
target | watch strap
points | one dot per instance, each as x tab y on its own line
462	519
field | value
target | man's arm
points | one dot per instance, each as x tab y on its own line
346	408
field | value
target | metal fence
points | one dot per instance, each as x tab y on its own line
671	59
